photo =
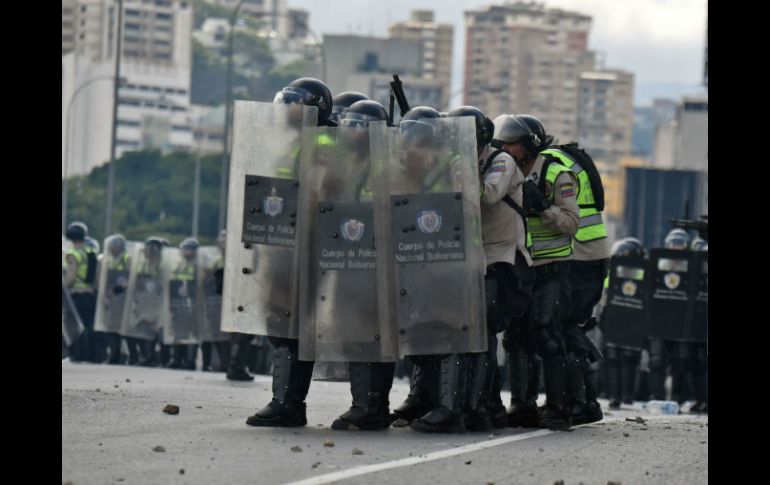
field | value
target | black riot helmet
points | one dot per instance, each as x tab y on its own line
537	128
189	244
677	239
153	245
309	91
485	129
343	101
116	244
418	125
77	231
629	246
361	113
699	244
516	129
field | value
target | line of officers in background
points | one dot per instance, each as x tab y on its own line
155	303
337	222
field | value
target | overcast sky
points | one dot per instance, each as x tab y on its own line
661	41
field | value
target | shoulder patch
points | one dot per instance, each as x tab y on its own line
567	190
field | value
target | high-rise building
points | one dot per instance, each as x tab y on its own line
606	114
274	14
682	143
436	42
154	94
524	58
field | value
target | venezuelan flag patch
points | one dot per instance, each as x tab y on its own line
567	190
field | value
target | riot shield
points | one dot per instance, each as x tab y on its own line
623	317
698	330
179	315
210	262
427	226
71	324
670	294
141	315
260	288
338	314
113	283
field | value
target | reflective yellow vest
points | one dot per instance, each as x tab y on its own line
81	260
591	225
546	243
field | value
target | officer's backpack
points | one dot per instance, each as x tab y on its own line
91	271
580	156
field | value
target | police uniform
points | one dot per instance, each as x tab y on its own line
552	231
84	299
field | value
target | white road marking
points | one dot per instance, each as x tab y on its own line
436	455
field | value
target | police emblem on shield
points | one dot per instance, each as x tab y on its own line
273	205
149	286
671	280
429	221
182	290
629	288
352	230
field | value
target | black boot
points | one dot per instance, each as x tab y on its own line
370	384
477	416
447	417
422	392
524	380
178	357
291	381
627	376
239	351
577	401
554	415
114	346
206	350
223	351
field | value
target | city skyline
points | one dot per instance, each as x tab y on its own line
661	41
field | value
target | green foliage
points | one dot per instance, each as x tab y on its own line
153	196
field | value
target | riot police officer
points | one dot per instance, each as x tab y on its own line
79	279
423	386
291	376
667	353
342	102
183	356
508	273
370	382
587	272
621	361
550	194
118	260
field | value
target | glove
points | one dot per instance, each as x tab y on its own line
534	200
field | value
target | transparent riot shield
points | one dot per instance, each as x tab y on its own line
338	314
427	226
179	312
141	315
697	331
260	288
113	285
210	268
623	319
71	324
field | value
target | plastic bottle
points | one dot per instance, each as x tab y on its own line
662	407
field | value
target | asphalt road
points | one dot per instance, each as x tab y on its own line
112	421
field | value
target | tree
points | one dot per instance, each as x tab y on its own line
153	196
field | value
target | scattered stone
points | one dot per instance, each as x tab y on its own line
98	390
328	443
315	465
626	435
469	462
296	449
614	483
646	472
181	471
198	407
171	409
558	482
159	449
667	427
637	419
356	451
100	444
540	450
